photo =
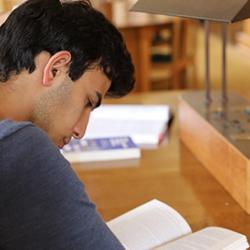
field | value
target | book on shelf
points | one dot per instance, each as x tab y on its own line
101	149
155	225
161	54
145	124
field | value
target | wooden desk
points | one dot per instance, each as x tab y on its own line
171	174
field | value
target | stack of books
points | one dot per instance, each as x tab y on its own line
117	132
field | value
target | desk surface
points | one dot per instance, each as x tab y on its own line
170	174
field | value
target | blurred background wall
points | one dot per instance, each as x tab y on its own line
169	53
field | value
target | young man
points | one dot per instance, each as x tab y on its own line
57	61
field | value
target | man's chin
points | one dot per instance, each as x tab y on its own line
63	142
60	146
58	143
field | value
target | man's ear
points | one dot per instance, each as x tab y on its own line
57	64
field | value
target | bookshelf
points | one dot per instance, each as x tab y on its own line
170	57
159	45
162	61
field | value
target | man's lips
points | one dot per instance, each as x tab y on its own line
64	141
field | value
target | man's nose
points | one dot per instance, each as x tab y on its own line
81	125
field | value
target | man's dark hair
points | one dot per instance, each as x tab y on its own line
75	26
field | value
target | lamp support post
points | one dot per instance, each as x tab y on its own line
224	63
207	62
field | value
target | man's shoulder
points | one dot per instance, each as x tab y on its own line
26	150
22	134
9	128
24	140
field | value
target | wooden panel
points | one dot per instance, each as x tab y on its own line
226	163
130	37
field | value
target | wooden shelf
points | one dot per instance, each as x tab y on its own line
139	42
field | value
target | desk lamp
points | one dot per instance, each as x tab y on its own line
215	127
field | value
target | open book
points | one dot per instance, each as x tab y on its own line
145	124
155	225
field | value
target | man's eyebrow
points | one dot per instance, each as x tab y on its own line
99	100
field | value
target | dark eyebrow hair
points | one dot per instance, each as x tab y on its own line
99	100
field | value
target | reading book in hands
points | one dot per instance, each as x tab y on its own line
101	149
155	225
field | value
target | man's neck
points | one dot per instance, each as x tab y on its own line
13	104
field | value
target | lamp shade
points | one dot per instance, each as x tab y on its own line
227	11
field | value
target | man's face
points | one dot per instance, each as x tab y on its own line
63	110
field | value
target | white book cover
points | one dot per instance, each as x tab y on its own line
145	124
101	149
155	225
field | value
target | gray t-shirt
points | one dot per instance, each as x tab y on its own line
43	204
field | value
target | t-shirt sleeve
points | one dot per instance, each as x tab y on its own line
43	203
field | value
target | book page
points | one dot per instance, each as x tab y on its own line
142	132
210	238
148	226
145	124
133	112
